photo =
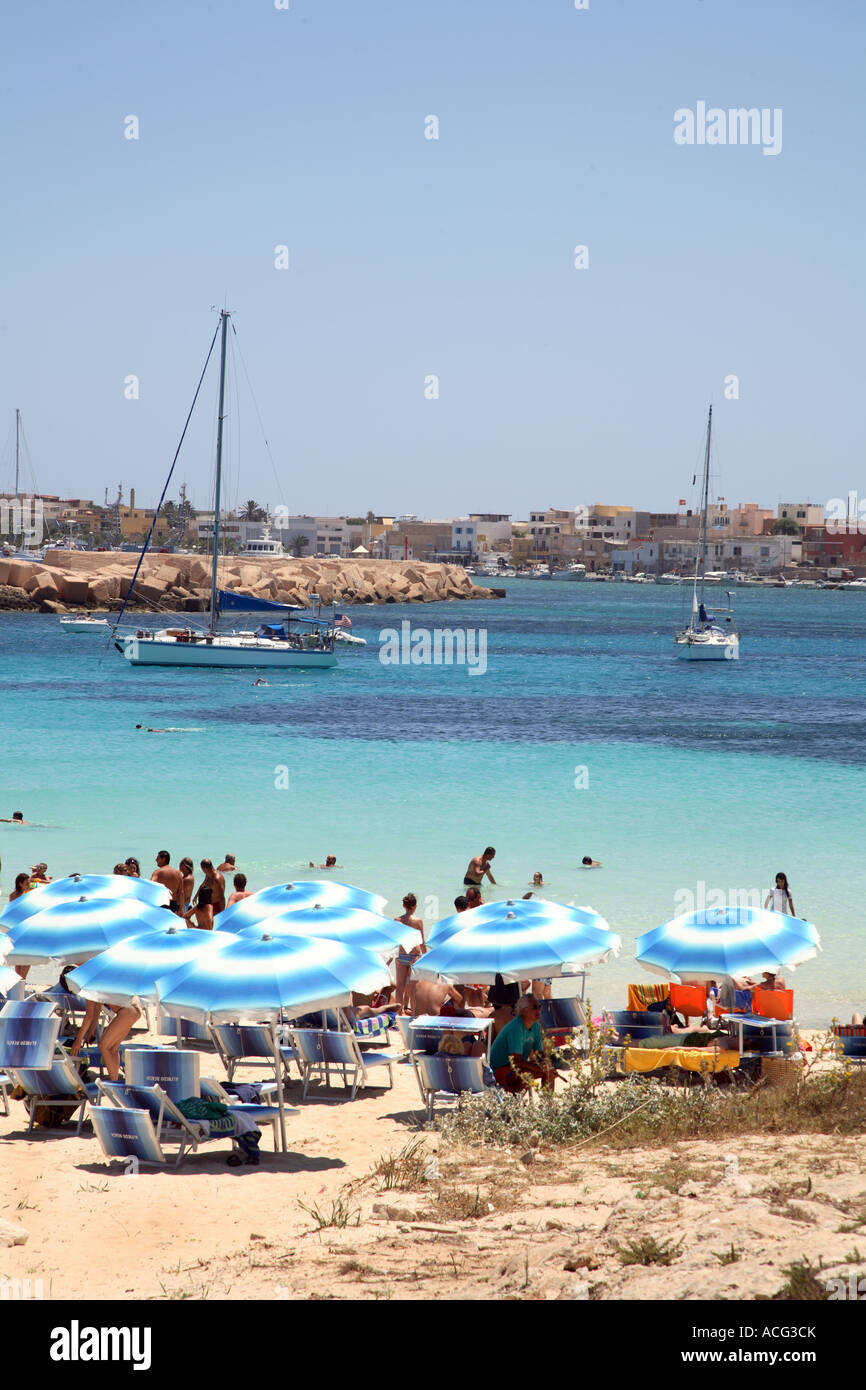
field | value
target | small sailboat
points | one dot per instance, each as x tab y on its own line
293	641
708	636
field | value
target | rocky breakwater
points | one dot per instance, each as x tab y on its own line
67	580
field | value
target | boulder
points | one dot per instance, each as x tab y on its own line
50	605
198	572
102	591
73	588
151	590
43	589
19	572
5	566
13	598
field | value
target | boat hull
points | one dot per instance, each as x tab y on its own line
83	625
727	649
269	656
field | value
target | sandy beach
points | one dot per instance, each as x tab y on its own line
548	1222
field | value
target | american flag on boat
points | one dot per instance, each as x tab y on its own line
340	620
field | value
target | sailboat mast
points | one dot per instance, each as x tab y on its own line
706	492
219	462
17	446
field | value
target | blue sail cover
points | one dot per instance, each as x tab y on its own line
230	602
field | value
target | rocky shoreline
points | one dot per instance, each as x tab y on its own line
67	580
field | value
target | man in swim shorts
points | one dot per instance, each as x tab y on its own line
478	867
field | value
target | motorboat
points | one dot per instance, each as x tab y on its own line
73	624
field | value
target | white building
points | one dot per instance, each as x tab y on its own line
493	529
464	535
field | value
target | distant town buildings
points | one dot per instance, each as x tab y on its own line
602	536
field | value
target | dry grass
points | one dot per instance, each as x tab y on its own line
830	1099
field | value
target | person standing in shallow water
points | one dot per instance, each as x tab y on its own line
214	880
478	867
779	898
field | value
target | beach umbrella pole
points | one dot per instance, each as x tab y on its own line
278	1061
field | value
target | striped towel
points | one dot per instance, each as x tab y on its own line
639	996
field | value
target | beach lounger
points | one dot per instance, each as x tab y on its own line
211	1089
318	1050
689	1000
247	1046
565	1021
774	1003
66	1003
29	1030
57	1086
189	1031
852	1040
444	1076
167	1123
635	1024
175	1069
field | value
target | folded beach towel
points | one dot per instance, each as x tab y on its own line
639	996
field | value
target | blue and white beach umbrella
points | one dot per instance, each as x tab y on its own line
524	910
519	939
75	931
286	897
258	976
64	890
720	941
353	926
129	971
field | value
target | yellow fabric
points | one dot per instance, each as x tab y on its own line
641	995
692	1058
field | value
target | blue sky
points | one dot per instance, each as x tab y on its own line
409	257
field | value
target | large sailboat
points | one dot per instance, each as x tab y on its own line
708	636
289	640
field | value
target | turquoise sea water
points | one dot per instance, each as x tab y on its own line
584	736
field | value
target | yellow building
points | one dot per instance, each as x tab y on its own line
136	521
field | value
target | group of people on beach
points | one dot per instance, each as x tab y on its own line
198	908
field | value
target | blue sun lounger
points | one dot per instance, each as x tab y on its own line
58	1085
150	1119
175	1069
444	1076
30	1058
29	1030
249	1045
318	1050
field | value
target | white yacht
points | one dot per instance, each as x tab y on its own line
708	636
264	549
293	641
